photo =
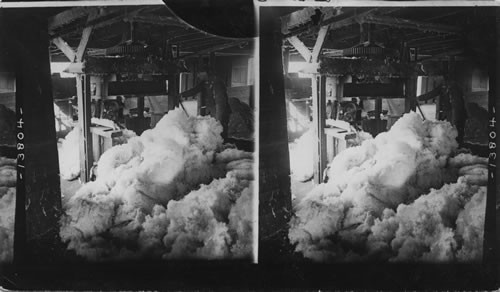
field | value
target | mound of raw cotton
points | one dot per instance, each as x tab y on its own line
302	149
174	192
7	208
379	204
425	229
69	152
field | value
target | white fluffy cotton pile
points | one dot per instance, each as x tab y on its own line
174	192
69	152
302	149
381	201
425	229
8	180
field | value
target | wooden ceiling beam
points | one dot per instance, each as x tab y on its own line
197	40
158	20
450	13
335	22
443	55
411	24
427	38
437	43
186	35
216	48
201	46
68	16
440	49
304	16
105	18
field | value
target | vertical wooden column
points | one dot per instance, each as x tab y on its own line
411	94
438	107
173	90
84	118
378	109
319	116
275	205
140	107
38	200
410	84
339	94
286	60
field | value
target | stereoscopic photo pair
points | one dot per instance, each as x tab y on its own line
248	145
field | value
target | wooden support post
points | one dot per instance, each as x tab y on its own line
411	94
438	107
410	85
84	106
97	148
84	117
140	107
286	61
275	200
173	90
339	93
38	199
380	125
319	116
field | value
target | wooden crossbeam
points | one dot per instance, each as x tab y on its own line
83	43
410	24
323	32
65	48
300	47
85	37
